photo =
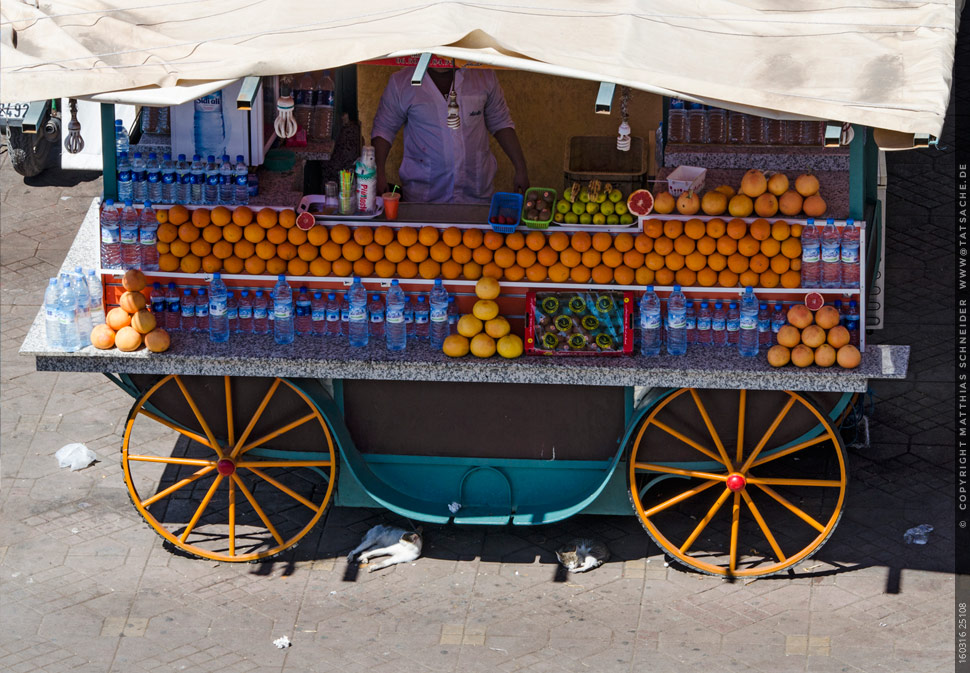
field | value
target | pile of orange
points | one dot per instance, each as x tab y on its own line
688	253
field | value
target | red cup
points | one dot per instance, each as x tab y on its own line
391	199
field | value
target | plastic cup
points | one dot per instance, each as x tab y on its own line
391	199
347	205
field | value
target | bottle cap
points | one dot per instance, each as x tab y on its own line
167	156
649	288
216	276
201	292
676	288
281	278
394	283
148	204
181	157
356	279
109	202
152	155
196	157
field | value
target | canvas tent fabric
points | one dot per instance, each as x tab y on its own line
881	63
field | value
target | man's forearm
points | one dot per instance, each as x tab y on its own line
509	142
382	148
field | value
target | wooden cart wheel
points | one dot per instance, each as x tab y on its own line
253	469
738	483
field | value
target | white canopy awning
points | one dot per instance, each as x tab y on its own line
881	63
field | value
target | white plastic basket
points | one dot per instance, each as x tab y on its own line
686	178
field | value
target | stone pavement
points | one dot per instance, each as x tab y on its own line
86	586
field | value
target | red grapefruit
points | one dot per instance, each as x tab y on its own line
640	203
305	221
814	301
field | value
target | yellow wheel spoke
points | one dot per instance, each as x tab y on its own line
285	463
790	450
202	507
232	509
793	509
764	527
741	405
252	422
656	509
198	416
794	482
686	440
171	460
653	467
735	517
188	433
275	433
231	430
290	492
259	510
771	430
177	485
706	520
710	428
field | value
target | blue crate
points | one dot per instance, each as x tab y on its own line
507	205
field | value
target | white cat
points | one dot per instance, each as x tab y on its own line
581	555
400	545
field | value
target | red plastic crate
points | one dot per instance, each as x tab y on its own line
618	322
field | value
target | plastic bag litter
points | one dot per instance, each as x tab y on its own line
282	642
918	535
75	456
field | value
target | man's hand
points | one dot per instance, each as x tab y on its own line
509	142
520	181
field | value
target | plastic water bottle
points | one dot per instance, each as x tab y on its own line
209	125
852	323
216	309
696	123
110	236
321	123
733	324
202	310
831	255
163	124
850	254
748	335
719	325
67	315
676	122
690	315
241	182
84	323
148	238
148	118
157	303
187	305
395	328
318	314
357	316
260	313
676	322
811	255
778	320
244	312
422	318
153	175
139	184
122	142
227	181
303	102
232	312
302	319
704	336
130	249
173	308
650	323
409	318
438	299
211	190
197	181
334	316
453	316
375	314
97	298
183	182
282	311
764	325
169	179
125	189
52	326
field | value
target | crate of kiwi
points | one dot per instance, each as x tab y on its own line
579	323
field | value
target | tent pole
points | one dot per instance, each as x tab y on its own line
108	159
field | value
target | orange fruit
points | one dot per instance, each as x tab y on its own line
450	269
342	267
558	272
266	218
548	255
275	266
653	228
417	253
321	267
694	229
233	264
296	236
685	277
211	264
749	278
351	251
298	267
623	242
200	217
514	273
382	267
706	245
727	278
309	252
220	216
287	251
717	261
395	252
791	279
287	218
254	233
190	264
340	234
759	263
644	276
795	230
372	251
504	257
624	275
482	255
473	238
180	248
492	270
428	236
493	240
168	262
451	236
167	232
188	233
461	254
201	248
330	251
232	233
738	263
602	275
591	258
760	229
382	235
222	249
602	241
212	233
440	252
535	241
769	279
515	240
580	241
674	261
770	247
664	277
737	228
178	215
570	258
537	273
633	259
673	228
525	257
643	243
707	277
471	270
162	247
558	241
695	261
749	246
255	265
578	274
654	261
791	248
727	245
363	267
716	227
612	258
276	235
780	230
242	215
364	236
684	244
663	246
796	264
407	269
780	264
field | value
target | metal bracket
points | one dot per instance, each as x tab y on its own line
247	94
33	121
604	98
420	69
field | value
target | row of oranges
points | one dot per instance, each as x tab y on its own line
691	253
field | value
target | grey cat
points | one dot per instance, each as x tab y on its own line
399	545
581	555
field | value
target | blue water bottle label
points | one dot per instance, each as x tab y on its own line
691	322
675	321
168	178
188	310
810	254
733	325
302	309
749	323
344	315
65	316
154	177
124	176
318	315
764	325
217	307
242	180
357	313
259	312
650	320
282	311
421	318
50	314
850	256
110	235
830	254
303	96
232	313
129	236
202	311
718	324
186	179
245	312
174	306
148	237
376	317
703	323
395	316
158	306
333	316
439	315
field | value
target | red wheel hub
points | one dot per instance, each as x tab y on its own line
736	482
225	467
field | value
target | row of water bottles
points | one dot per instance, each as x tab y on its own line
396	320
129	236
830	256
180	182
72	306
180	308
313	99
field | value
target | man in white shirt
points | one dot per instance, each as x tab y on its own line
441	164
